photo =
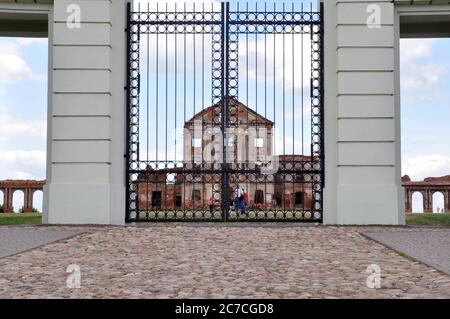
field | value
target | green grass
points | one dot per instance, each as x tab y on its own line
428	220
20	219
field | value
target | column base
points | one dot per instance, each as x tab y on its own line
83	204
370	205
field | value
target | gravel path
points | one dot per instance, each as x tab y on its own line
218	262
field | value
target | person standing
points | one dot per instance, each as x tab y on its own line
211	204
238	199
245	202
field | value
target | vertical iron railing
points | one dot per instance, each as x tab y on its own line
284	181
224	111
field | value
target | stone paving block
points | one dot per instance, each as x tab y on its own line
218	262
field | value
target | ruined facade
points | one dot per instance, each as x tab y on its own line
29	187
249	145
428	187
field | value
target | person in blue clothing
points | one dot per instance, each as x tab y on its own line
238	200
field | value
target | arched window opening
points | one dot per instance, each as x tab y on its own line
259	197
299	198
2	201
18	201
37	201
417	202
438	202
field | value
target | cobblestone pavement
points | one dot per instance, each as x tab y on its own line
216	262
14	240
432	247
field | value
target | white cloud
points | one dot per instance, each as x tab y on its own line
13	67
269	52
416	75
412	50
20	164
28	41
284	146
18	130
420	167
297	51
153	4
421	82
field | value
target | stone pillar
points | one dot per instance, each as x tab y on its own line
31	199
86	136
25	200
8	200
408	201
447	201
4	198
362	169
28	200
428	201
425	200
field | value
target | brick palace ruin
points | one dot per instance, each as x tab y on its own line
251	144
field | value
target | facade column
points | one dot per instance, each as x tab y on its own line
31	191
428	202
4	198
408	207
9	200
85	181
424	201
361	165
27	205
447	201
25	199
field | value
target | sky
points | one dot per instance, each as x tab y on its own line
425	82
167	103
425	97
23	111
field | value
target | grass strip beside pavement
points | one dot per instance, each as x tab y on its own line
20	219
442	220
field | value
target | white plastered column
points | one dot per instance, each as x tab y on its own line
362	116
86	135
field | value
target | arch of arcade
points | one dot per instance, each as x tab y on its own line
428	187
29	187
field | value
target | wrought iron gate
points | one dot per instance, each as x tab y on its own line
225	113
